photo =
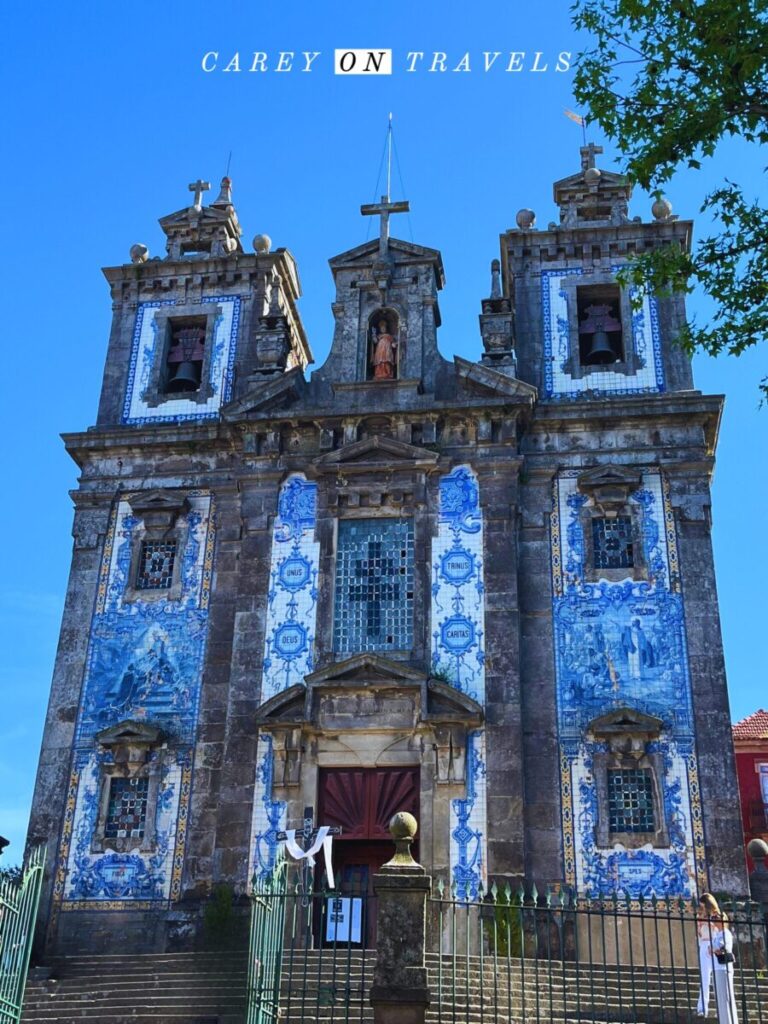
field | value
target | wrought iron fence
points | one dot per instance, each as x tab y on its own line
18	911
505	956
311	953
508	955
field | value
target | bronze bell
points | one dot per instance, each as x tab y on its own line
598	322
186	377
600	350
185	360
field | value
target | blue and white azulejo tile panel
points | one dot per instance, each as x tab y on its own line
269	815
145	663
646	342
458	655
288	644
148	347
292	597
623	644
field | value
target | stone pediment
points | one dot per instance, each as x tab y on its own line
129	731
376	451
374	690
625	720
479	377
369	704
606	476
366	254
158	508
266	394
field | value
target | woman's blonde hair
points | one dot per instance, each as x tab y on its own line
710	904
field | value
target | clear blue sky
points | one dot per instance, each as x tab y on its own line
108	117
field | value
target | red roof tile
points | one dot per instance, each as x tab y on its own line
753	727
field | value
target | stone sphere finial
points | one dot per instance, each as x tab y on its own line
592	174
756	848
662	209
525	219
139	253
262	244
403	826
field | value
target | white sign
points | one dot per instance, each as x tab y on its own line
344	919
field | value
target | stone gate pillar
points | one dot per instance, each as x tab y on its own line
400	994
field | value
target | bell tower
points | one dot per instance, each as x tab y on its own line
386	313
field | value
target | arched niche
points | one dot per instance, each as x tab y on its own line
384	347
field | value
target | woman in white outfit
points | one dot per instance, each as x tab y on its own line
708	914
722	947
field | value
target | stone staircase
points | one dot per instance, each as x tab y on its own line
323	986
177	988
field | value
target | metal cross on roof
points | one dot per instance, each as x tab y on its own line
198	187
384	209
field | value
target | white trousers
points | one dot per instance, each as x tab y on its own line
705	967
726	997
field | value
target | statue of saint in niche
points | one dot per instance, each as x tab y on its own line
384	352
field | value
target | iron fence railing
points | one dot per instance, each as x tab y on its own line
18	911
506	955
311	953
522	955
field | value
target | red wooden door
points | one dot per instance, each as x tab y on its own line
363	800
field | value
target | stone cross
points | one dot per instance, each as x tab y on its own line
198	187
588	154
383	210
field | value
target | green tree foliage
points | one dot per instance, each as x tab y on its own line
666	80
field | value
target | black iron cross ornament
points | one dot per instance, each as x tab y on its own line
305	838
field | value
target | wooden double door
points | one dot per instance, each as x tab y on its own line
362	802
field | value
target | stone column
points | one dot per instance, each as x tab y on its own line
400	994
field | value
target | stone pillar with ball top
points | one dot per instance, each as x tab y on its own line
400	994
497	327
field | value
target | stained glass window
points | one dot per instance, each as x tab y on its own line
630	800
127	808
373	609
156	560
612	543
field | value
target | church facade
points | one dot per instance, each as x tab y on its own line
481	591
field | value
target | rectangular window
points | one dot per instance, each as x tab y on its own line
612	543
156	560
373	608
127	808
630	800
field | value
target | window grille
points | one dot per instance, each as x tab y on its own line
630	800
127	808
156	560
612	543
373	608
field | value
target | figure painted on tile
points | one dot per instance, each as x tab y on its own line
149	682
384	353
637	648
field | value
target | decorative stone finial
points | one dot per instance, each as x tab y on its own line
758	880
139	253
224	197
525	219
495	279
262	244
661	209
592	174
402	827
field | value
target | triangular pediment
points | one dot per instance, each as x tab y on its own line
625	719
267	394
367	252
130	731
366	668
377	449
609	476
445	702
489	381
608	180
193	215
